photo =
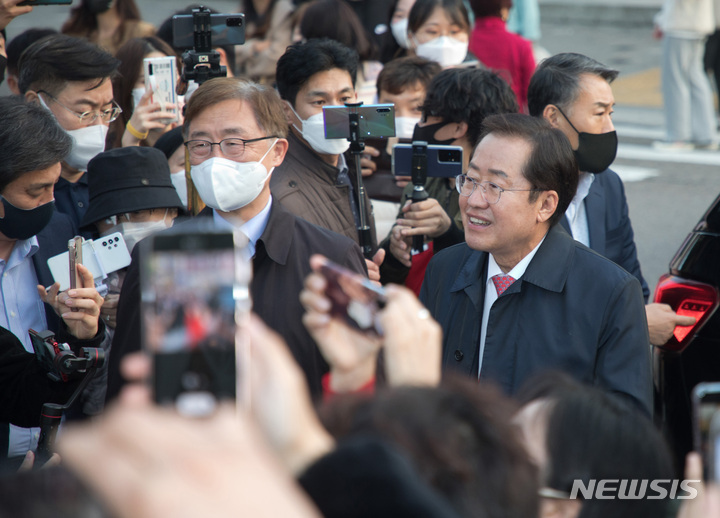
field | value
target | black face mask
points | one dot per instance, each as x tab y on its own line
595	152
97	6
427	133
23	224
3	64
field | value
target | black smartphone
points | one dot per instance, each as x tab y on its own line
706	427
46	2
442	161
353	297
195	295
227	29
374	120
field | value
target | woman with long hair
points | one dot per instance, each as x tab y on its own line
107	23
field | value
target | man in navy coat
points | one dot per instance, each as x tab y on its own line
521	296
573	93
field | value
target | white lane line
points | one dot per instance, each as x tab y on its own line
637	152
631	173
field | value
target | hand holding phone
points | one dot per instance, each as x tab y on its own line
75	256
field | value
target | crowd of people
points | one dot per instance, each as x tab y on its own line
509	359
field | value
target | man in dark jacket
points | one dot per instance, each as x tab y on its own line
317	180
574	94
565	307
236	133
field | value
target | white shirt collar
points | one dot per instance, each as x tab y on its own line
583	189
518	270
252	228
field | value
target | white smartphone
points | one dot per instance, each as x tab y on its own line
161	78
100	256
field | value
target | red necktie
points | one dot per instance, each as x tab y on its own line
502	282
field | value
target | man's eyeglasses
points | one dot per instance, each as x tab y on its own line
88	117
490	191
230	147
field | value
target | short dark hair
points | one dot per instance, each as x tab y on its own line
402	73
557	80
30	139
551	165
423	9
468	95
301	61
50	63
458	437
336	20
264	101
22	41
596	435
483	8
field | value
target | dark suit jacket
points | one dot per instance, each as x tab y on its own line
280	265
573	310
611	233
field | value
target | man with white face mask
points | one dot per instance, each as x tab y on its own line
317	181
235	133
71	78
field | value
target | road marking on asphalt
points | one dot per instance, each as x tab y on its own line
697	157
631	173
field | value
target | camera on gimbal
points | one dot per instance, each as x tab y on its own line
60	361
199	32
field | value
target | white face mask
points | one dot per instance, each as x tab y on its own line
180	184
137	94
87	143
226	185
313	131
405	126
134	232
399	32
445	50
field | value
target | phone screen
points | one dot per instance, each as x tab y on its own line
195	291
354	298
706	422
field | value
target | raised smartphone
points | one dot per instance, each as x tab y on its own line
374	120
226	29
442	161
706	427
161	77
353	298
195	291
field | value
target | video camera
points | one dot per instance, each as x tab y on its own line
59	360
201	31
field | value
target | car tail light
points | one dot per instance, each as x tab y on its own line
687	298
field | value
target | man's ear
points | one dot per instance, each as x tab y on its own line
31	96
224	61
289	115
548	205
552	114
461	129
278	152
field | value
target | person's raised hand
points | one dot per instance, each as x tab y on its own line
373	265
424	218
412	340
148	461
400	245
9	10
78	307
147	116
351	354
280	401
367	164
